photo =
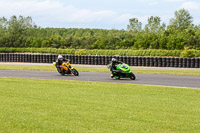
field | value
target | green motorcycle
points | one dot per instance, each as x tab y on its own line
120	70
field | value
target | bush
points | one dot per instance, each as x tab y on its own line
81	52
121	52
188	54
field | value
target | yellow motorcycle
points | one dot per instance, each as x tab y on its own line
67	69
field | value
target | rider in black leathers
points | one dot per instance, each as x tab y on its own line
59	62
115	62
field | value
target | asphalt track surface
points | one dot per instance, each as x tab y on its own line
186	81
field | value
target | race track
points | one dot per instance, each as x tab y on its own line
187	81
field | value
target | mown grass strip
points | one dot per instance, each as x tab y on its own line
33	105
99	69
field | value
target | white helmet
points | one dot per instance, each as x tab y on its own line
60	57
114	60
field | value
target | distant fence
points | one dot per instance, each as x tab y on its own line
103	60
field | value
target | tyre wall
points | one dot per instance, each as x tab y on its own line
104	60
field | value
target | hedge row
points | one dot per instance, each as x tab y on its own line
121	52
104	60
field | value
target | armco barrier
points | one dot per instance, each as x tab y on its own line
104	60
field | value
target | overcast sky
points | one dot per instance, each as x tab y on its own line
104	14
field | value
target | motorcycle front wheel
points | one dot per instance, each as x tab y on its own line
75	72
132	76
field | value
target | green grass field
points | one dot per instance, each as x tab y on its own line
99	69
34	105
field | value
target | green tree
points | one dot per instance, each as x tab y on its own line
182	20
134	25
154	25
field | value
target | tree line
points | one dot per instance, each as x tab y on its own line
179	34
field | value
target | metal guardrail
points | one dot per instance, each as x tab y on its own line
103	60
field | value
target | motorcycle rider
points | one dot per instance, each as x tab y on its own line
115	62
59	62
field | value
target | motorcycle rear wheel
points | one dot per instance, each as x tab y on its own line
62	73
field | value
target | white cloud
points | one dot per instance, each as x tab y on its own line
59	13
124	18
88	15
191	5
197	21
143	19
31	7
174	1
153	3
54	11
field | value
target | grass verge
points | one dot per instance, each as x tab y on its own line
34	105
99	69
